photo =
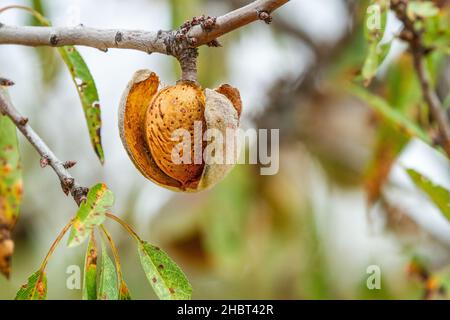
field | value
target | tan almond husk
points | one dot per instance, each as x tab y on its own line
149	145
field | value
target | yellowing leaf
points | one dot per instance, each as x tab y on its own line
10	188
90	271
91	213
166	278
124	293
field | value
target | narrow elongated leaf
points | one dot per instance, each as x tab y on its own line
108	289
375	26
10	188
438	194
49	61
166	278
393	116
34	289
91	213
389	143
86	89
90	271
376	20
376	55
124	293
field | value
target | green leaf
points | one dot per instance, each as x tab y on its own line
91	213
35	288
10	187
166	278
398	120
376	20
108	289
86	89
90	271
438	194
375	27
49	61
377	54
421	9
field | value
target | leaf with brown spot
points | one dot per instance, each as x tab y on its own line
169	282
87	91
86	88
124	293
91	213
90	271
35	288
10	188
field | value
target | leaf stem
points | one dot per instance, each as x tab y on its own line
125	225
54	245
35	13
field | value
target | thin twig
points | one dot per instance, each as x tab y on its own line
434	103
181	43
165	42
68	183
414	38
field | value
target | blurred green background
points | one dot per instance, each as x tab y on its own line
307	232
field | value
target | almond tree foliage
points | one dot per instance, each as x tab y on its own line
419	113
103	278
407	105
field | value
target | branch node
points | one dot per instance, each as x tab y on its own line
79	194
118	38
265	16
23	121
45	161
208	23
54	40
193	41
6	82
67	185
69	164
214	43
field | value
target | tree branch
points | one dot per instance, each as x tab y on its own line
414	38
165	42
68	183
180	43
